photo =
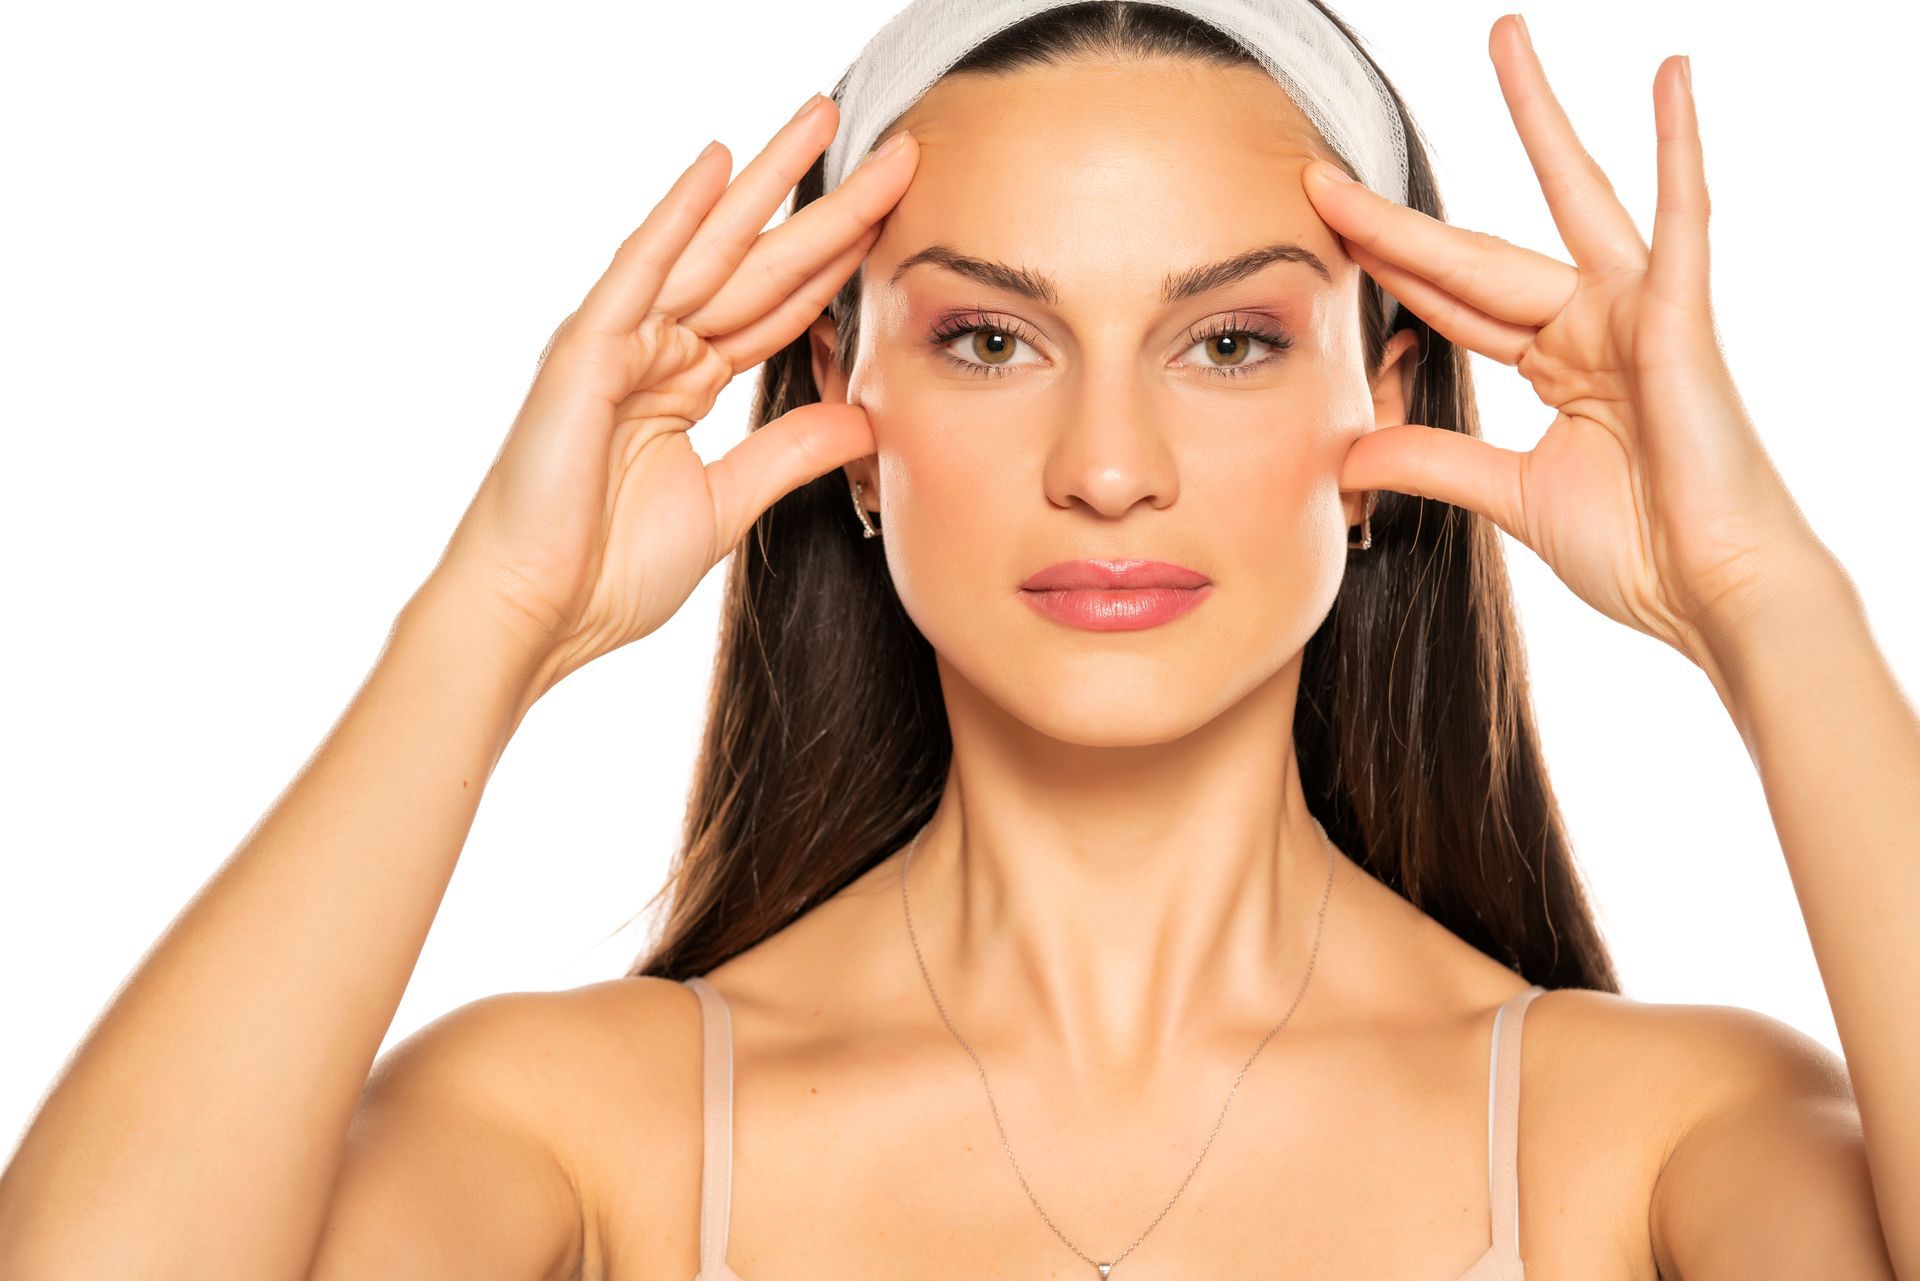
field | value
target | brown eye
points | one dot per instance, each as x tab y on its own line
1237	345
1227	349
992	346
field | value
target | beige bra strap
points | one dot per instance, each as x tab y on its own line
716	1110
1503	1117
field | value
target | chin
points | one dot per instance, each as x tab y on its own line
1118	721
1094	700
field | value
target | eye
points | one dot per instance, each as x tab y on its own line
1225	344
990	343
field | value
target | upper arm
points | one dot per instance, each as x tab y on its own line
450	1169
1766	1175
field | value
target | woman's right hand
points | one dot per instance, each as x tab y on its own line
597	519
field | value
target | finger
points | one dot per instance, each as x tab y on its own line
777	458
1489	274
621	298
1677	271
736	222
745	348
1468	326
1597	229
794	252
1450	466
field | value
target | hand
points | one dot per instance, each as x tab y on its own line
1650	494
597	519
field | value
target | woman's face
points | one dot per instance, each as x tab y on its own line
1117	400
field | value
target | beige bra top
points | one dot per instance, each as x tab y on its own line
1501	1262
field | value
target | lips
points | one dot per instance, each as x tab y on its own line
1115	595
1113	575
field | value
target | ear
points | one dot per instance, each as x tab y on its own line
1393	385
1392	394
822	336
831	380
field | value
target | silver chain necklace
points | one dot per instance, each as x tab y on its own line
1105	1268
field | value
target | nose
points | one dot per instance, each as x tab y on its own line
1110	450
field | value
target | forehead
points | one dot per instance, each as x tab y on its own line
1107	174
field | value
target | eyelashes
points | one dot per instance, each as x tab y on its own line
1259	328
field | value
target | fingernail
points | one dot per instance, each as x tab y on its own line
1686	69
708	150
886	148
1524	33
1332	173
809	105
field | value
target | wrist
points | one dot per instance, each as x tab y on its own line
451	620
1777	627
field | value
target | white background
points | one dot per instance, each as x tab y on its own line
275	278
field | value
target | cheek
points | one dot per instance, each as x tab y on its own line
1272	511
951	551
1271	486
948	491
943	471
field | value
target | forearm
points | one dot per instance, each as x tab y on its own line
196	1130
1837	747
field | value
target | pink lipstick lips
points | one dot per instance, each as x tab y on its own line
1114	595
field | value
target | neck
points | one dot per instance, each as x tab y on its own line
1121	902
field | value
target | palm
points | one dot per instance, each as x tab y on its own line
660	530
1582	515
1587	503
651	530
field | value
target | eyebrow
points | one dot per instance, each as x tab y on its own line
1177	286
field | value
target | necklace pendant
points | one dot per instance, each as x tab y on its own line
1104	1268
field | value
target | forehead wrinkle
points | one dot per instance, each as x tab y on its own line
1177	286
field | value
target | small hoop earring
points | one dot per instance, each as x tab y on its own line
865	520
1366	524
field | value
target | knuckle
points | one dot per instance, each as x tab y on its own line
647	257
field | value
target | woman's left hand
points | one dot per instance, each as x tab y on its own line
1650	494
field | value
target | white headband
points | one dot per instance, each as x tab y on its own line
1321	70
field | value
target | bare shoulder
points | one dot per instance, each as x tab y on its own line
1686	1062
1690	1062
477	1145
1751	1146
1702	1053
541	1060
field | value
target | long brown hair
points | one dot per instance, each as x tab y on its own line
826	745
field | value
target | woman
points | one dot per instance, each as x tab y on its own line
1099	839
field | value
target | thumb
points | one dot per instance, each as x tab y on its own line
1430	462
778	457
